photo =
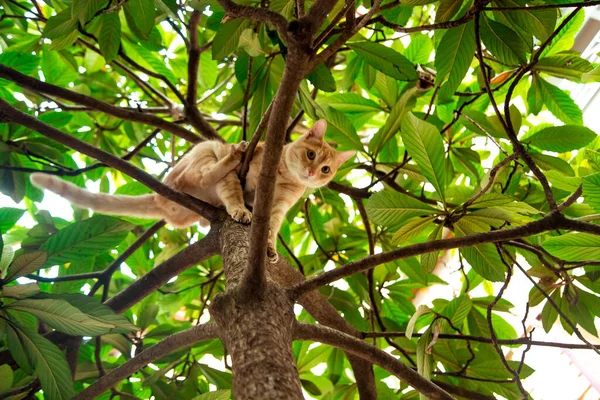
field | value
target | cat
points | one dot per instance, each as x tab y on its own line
209	173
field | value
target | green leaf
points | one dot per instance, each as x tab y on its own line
562	138
565	39
95	310
209	70
22	62
425	145
422	310
503	42
110	36
535	95
429	260
26	264
141	12
62	316
9	217
85	239
335	365
424	358
574	246
412	229
340	129
567	66
216	395
453	56
322	78
390	208
6	378
483	258
6	257
49	363
350	103
420	48
249	42
17	350
592	76
546	163
20	291
560	104
539	22
386	60
405	103
228	37
447	9
61	24
591	191
86	9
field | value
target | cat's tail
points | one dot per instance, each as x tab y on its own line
130	206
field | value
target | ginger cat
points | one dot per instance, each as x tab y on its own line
209	173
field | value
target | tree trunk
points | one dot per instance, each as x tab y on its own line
257	332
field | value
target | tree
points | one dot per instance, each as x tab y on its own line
99	90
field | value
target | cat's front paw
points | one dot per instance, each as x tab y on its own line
272	252
239	148
241	214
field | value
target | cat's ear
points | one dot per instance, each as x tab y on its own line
318	129
343	156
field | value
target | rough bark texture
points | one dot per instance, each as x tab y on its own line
324	313
257	331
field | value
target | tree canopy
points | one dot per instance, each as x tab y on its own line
467	148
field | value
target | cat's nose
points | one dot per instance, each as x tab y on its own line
311	172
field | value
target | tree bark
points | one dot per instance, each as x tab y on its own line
256	331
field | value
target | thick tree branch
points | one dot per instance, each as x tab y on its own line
52	90
176	341
19	117
353	345
295	68
160	275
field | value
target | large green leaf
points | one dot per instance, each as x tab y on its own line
141	13
386	60
322	78
95	310
62	316
26	263
562	138
425	145
412	229
61	24
110	36
591	191
453	56
560	104
86	9
483	258
227	38
350	103
565	39
85	239
539	22
49	363
567	66
389	208
574	246
503	42
9	217
340	129
447	9
392	124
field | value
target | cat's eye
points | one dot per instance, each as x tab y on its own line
311	155
325	169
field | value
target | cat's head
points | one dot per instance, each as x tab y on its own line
312	160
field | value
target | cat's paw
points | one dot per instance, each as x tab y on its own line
241	214
272	252
239	148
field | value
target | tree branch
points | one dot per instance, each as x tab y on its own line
19	117
549	222
168	345
52	90
356	346
264	15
